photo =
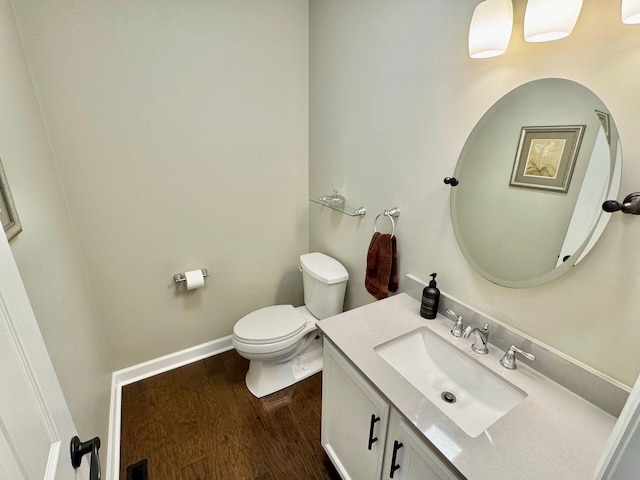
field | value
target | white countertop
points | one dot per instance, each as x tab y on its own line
551	434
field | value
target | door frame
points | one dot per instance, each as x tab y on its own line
19	324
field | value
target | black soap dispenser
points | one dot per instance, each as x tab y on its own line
430	299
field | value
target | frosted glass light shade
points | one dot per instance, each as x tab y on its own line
546	20
490	29
630	11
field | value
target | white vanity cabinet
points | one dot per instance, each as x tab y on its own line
354	419
361	433
408	458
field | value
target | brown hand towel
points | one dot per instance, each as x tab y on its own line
393	279
382	266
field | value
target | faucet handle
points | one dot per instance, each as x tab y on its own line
456	331
509	359
485	330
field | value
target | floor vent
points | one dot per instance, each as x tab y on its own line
138	471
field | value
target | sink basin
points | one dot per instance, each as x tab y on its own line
470	394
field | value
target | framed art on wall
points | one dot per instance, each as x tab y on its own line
546	157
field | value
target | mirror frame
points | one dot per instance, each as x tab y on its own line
615	168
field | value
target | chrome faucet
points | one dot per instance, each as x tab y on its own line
456	331
482	338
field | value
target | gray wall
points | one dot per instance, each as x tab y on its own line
179	131
393	97
46	252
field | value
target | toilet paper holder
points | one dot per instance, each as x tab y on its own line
181	277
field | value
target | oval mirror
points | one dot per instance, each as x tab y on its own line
532	178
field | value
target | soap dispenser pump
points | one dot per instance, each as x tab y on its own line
430	299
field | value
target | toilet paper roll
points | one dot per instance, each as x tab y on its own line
195	279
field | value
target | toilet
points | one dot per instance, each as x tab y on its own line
281	342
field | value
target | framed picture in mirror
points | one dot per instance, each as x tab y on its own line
605	120
546	157
8	214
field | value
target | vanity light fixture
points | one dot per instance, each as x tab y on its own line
547	20
490	29
630	11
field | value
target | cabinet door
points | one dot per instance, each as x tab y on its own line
354	419
408	458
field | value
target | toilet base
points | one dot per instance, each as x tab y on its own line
265	378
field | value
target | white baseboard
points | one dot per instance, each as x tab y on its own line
144	370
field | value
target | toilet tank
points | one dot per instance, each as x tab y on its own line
324	280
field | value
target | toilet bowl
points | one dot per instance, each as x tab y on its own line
281	342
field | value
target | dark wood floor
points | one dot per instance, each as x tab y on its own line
199	422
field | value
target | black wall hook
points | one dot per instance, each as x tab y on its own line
453	181
630	204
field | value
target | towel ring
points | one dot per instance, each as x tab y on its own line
393	224
394	212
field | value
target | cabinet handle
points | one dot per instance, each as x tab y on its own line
396	446
372	439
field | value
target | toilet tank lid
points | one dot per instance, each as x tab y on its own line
324	268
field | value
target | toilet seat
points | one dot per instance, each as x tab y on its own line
269	325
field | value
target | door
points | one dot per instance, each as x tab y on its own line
408	458
354	419
621	458
35	423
